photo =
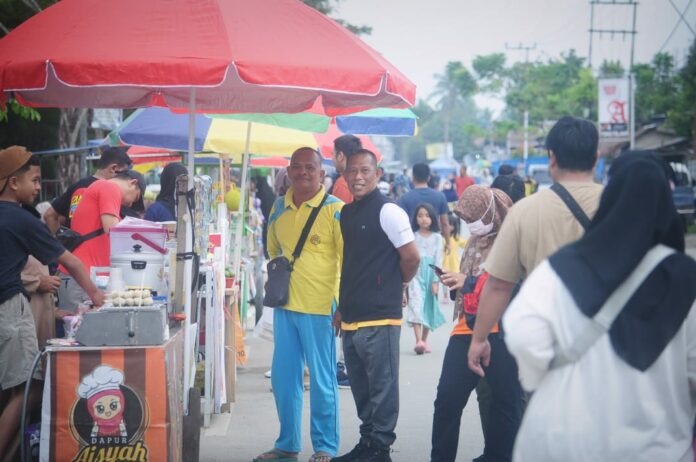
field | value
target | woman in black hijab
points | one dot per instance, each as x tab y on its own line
628	394
163	207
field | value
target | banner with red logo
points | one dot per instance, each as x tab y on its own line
113	404
614	111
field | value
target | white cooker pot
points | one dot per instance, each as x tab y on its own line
140	269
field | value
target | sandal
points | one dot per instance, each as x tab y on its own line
320	457
276	455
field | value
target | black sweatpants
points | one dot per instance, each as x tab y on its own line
372	360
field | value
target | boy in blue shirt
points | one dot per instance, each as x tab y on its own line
21	235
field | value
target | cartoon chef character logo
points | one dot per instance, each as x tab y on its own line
105	401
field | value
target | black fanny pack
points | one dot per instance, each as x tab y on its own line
71	240
277	287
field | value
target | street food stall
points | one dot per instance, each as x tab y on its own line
45	64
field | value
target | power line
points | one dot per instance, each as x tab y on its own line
676	26
681	16
520	47
612	32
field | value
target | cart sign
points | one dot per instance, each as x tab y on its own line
112	405
613	107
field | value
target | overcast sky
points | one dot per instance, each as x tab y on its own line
420	36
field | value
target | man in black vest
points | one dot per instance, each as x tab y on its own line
379	258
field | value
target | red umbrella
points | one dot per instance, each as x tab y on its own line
206	55
275	162
325	141
143	155
238	55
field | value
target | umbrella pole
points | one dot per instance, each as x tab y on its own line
188	263
242	206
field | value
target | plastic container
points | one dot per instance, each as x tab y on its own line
123	238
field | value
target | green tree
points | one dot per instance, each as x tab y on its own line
610	69
682	115
490	72
453	88
656	87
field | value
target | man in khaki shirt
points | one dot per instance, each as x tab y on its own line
537	226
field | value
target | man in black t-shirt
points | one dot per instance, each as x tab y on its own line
113	160
22	235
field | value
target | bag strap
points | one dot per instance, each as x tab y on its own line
92	235
572	204
604	318
306	229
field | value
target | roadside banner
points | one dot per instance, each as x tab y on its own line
614	110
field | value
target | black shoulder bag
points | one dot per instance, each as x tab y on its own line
572	204
71	240
277	287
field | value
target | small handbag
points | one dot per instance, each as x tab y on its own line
277	287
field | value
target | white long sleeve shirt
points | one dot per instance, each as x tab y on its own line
599	408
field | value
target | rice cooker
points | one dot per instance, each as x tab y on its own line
140	269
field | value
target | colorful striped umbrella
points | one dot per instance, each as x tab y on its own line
161	128
380	121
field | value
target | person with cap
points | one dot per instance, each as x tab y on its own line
22	235
113	160
604	331
99	209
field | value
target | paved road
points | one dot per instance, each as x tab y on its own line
691	245
252	426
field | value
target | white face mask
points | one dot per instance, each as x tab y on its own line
477	228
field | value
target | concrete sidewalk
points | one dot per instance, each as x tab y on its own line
252	426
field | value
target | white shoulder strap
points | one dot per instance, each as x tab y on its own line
604	318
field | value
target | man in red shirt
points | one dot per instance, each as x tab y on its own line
344	147
99	209
463	181
113	160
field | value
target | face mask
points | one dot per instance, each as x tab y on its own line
477	228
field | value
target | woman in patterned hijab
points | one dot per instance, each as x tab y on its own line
483	209
490	206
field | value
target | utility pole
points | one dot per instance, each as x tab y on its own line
521	47
612	32
526	138
526	48
623	33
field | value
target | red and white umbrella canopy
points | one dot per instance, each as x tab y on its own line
239	55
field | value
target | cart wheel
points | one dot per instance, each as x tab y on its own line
192	428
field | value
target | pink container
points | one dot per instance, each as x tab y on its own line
122	239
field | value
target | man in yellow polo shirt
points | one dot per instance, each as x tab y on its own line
302	328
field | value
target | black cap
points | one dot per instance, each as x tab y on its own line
133	175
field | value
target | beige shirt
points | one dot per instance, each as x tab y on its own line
536	227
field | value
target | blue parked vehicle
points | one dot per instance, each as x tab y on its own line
683	193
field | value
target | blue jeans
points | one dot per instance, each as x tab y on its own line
301	338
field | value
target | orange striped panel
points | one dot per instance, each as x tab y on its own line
67	365
113	358
156	435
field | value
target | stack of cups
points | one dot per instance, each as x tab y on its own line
115	280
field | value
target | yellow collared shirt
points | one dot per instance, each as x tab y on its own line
315	279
